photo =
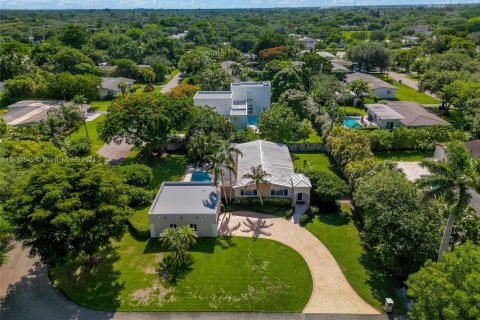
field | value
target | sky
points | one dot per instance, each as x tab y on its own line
204	4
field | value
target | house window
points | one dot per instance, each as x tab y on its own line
248	193
389	125
173	226
279	192
389	91
193	226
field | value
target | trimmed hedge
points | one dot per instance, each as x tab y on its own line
275	206
138	223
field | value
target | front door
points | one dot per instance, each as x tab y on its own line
300	198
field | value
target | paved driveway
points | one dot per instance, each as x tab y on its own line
115	153
331	291
176	79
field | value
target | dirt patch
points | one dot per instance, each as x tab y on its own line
156	294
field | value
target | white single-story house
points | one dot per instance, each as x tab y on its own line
242	104
410	40
381	89
282	182
194	204
109	86
29	112
179	36
402	113
422	29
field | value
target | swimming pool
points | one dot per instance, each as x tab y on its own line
201	176
252	120
351	123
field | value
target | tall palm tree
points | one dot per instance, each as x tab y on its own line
230	155
257	176
216	161
451	179
77	101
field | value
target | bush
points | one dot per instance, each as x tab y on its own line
327	187
139	196
139	224
139	175
289	214
78	148
305	219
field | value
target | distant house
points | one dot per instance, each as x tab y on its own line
381	89
179	36
109	86
242	104
422	29
402	113
29	112
307	43
282	182
194	204
410	40
326	55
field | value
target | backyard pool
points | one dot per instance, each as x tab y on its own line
351	123
201	176
252	120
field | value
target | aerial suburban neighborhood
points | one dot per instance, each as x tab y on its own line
239	160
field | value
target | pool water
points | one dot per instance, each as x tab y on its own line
351	123
201	176
252	120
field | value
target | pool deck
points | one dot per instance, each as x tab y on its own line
191	169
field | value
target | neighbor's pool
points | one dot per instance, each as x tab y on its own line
252	120
351	123
201	176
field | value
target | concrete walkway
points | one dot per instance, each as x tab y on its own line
408	82
331	291
26	294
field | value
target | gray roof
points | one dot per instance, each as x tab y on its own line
26	112
326	54
374	82
274	159
186	198
111	83
383	112
341	62
213	95
339	68
414	115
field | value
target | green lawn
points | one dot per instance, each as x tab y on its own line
92	132
233	274
100	105
315	161
403	155
339	234
354	111
406	93
313	138
3	111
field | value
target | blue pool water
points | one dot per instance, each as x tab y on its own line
201	176
252	120
351	123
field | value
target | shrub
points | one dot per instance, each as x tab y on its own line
327	187
139	197
139	175
305	219
139	224
78	148
289	214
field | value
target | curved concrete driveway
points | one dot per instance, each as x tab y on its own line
331	291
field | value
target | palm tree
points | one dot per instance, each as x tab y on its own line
77	101
230	154
451	179
179	240
360	88
256	177
217	160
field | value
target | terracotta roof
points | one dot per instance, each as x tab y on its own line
414	115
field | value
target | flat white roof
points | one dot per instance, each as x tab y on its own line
384	112
185	198
213	95
251	84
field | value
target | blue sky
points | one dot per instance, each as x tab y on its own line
203	4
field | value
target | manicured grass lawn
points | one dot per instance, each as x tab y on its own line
354	111
314	161
339	234
406	93
313	138
92	133
234	274
100	105
455	117
3	110
403	155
